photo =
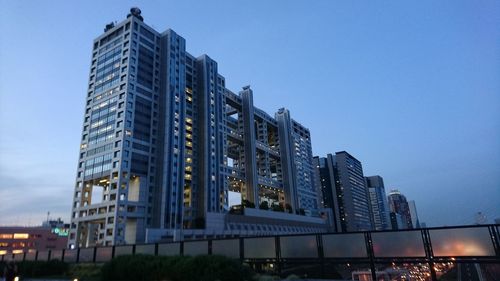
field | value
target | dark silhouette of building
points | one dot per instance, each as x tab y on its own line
398	205
346	194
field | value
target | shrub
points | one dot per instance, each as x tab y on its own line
39	268
178	268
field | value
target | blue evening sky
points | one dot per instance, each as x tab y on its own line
410	88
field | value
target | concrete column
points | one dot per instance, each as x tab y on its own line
252	189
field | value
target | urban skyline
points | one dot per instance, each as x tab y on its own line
317	136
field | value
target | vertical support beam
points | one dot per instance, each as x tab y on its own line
495	238
369	251
113	250
94	254
77	255
62	255
242	249
321	254
277	245
156	249
429	253
209	247
249	146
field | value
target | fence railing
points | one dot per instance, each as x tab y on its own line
462	244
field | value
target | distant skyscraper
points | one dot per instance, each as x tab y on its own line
346	194
378	202
399	206
325	181
165	144
413	213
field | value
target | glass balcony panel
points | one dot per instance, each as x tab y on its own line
123	250
43	256
227	247
104	254
19	257
260	248
70	255
145	249
299	247
56	254
86	255
472	241
344	245
398	244
196	248
170	249
30	256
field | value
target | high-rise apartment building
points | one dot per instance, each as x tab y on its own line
378	202
165	146
398	205
342	184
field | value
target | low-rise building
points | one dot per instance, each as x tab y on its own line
19	239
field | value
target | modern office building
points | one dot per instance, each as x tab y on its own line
341	181
167	148
378	202
398	205
325	182
413	214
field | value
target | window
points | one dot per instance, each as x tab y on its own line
21	235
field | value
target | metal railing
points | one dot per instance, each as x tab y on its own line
459	244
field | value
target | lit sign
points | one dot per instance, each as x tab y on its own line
60	231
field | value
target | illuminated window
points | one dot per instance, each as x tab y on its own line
5	236
17	252
4	244
21	235
3	252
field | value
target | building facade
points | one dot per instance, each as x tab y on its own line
165	144
341	182
400	210
413	214
378	202
325	181
19	240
